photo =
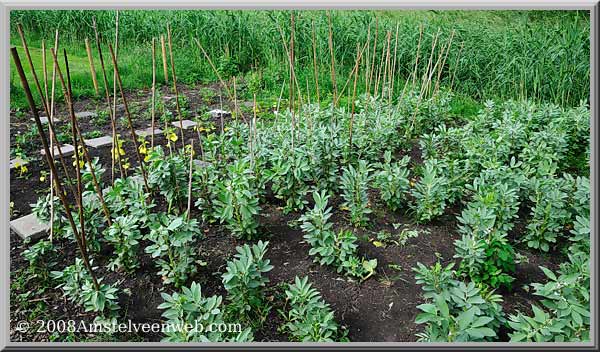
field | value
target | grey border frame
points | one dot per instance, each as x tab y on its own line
7	5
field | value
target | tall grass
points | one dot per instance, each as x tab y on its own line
542	55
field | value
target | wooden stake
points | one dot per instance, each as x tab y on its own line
374	55
456	65
45	106
45	70
214	69
92	68
417	57
358	52
189	203
152	112
115	137
110	112
50	161
316	70
45	65
354	69
287	53
332	59
367	60
128	114
439	76
67	91
393	68
164	58
51	134
292	79
174	76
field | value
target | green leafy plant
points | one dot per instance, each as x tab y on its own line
385	238
42	210
580	239
456	311
486	255
331	248
41	257
237	201
355	187
124	234
245	284
566	298
430	192
168	174
172	237
549	213
289	176
309	318
392	181
78	286
192	317
127	197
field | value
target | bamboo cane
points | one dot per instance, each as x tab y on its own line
374	55
174	77
152	108
92	68
110	112
128	114
69	99
50	162
332	58
45	106
316	70
189	203
354	98
163	48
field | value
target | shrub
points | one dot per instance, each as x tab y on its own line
486	255
127	197
41	257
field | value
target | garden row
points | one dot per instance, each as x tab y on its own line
507	158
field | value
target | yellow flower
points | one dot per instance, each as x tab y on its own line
378	244
23	169
172	137
126	166
143	149
42	178
226	129
147	158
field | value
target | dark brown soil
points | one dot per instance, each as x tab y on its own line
383	308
